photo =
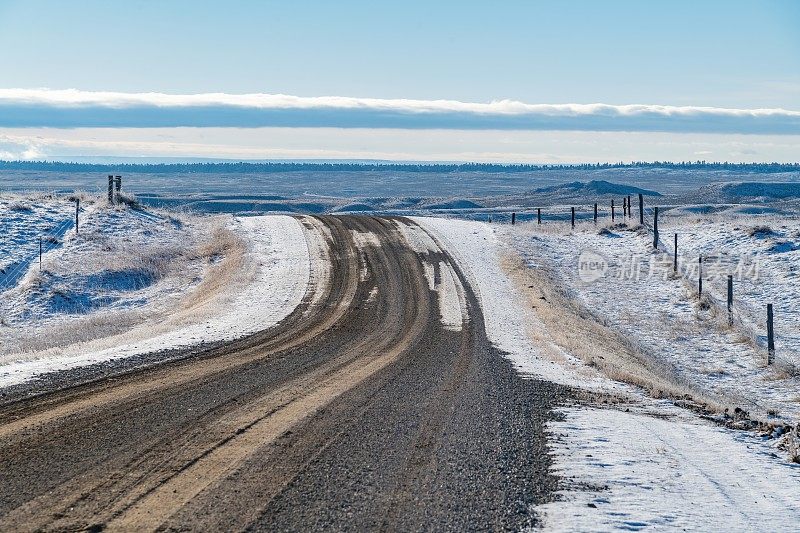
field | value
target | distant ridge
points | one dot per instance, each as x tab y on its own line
597	187
743	190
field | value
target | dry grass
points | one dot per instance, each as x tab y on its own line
224	254
587	336
218	251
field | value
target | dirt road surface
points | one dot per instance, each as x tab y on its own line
359	411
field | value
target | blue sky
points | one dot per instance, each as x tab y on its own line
741	55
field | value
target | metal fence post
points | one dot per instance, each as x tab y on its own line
700	277
770	336
655	227
641	209
730	300
675	260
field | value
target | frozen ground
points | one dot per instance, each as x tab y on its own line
636	294
134	281
762	252
640	462
509	323
636	336
656	468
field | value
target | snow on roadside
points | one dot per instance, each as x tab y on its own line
636	295
655	467
509	323
632	471
281	269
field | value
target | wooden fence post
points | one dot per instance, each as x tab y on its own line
77	210
770	336
595	213
625	207
110	189
538	215
40	254
700	277
612	210
630	209
513	218
730	300
655	227
118	186
573	217
641	209
675	260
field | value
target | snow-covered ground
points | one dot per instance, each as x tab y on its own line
635	293
23	220
659	469
509	323
762	252
135	281
643	463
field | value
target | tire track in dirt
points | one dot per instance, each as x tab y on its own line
359	411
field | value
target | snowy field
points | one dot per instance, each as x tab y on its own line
638	463
134	281
629	332
637	294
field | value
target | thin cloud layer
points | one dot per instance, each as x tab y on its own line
24	108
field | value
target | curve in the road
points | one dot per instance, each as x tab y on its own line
358	411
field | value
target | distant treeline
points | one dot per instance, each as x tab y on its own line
255	167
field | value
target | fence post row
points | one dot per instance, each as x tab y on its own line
770	336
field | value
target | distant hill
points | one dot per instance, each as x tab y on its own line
743	190
595	187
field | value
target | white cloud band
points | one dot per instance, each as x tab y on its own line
72	108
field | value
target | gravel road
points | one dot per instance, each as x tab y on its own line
359	411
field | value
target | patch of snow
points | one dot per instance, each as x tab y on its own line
510	325
451	296
282	271
430	274
363	239
637	295
419	240
632	471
